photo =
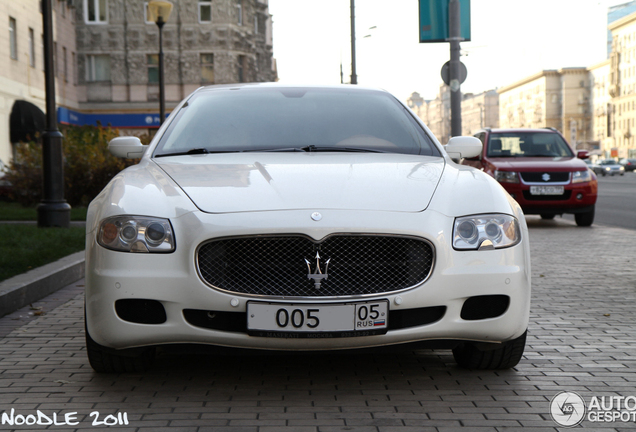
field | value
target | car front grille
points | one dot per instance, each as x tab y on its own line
279	265
541	176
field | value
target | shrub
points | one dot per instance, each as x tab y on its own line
88	166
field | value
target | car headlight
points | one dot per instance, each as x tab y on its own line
581	176
506	177
486	232
136	234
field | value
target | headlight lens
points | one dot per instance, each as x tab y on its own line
581	176
490	231
136	234
506	177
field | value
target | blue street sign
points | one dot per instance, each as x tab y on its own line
145	120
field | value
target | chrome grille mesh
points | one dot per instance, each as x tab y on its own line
275	265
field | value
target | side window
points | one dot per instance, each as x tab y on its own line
205	11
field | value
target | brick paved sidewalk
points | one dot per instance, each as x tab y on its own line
581	339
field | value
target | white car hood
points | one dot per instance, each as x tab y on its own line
244	182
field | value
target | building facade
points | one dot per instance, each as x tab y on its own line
204	42
106	58
550	98
622	89
480	111
601	107
22	71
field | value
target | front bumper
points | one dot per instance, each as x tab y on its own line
577	198
172	280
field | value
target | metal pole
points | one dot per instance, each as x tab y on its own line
53	210
354	77
454	27
162	85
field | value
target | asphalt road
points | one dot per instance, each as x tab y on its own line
616	205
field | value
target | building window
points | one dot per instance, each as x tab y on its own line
255	24
65	66
55	72
241	68
13	39
205	11
207	68
31	47
152	60
97	67
96	11
239	10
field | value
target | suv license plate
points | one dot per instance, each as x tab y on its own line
546	190
302	320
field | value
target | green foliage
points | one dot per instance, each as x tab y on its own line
88	166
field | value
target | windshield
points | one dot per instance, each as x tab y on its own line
528	144
294	119
608	162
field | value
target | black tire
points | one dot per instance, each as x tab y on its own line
584	219
107	360
547	216
505	356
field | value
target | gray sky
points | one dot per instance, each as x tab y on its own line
510	39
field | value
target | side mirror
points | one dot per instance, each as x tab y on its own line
463	147
127	147
582	154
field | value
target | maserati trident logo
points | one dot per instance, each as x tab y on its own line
545	177
317	274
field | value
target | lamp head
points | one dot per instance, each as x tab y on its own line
159	11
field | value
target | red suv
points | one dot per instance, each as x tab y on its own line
540	170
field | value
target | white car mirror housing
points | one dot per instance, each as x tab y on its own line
127	147
463	147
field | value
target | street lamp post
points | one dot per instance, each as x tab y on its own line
159	12
53	210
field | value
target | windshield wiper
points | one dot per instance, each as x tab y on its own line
194	151
313	148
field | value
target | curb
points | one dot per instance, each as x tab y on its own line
24	289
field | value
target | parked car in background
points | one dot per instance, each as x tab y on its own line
540	170
628	164
273	217
610	167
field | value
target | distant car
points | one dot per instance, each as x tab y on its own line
540	170
275	217
610	167
628	164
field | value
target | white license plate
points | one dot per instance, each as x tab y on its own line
546	190
317	320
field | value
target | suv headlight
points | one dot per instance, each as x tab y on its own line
506	176
136	234
581	176
486	232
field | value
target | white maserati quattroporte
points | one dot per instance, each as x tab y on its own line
273	217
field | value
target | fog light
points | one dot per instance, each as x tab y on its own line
579	196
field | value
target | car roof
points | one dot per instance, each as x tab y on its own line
339	87
522	130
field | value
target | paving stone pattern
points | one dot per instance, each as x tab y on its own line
581	339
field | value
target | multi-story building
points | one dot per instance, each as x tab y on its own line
550	98
622	88
22	95
480	111
601	107
204	42
106	59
